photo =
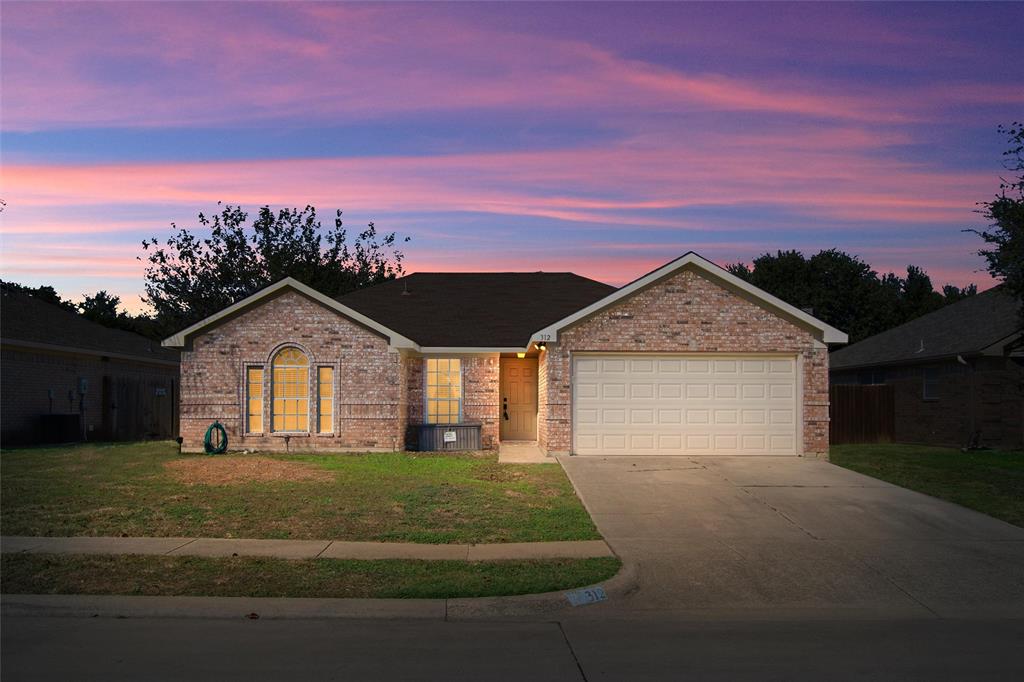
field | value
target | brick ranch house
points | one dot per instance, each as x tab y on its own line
687	359
957	374
68	379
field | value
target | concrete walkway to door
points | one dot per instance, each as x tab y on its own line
784	536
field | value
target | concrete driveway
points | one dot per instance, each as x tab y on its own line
788	536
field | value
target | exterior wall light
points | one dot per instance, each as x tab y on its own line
541	346
520	355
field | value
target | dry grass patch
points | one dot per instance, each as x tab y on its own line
149	489
233	470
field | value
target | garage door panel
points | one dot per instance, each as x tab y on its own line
684	405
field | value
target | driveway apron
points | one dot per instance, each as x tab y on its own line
787	535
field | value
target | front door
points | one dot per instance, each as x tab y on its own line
518	399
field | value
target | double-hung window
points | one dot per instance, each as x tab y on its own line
254	400
444	390
325	394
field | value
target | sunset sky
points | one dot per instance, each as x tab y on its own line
603	139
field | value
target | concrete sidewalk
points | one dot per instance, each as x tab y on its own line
304	549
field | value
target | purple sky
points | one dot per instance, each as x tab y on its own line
603	139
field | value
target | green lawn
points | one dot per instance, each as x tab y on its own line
258	577
133	489
991	482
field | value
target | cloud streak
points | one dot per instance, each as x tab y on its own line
550	135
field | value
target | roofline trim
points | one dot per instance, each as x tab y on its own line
550	333
37	345
991	350
471	349
395	340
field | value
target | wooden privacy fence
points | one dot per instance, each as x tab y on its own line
135	408
861	413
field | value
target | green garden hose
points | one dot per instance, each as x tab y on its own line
222	441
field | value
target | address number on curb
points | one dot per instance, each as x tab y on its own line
587	595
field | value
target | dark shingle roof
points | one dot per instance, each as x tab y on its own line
25	318
962	328
481	309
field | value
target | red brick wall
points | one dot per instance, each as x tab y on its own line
481	376
685	313
371	395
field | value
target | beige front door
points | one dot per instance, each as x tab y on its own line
518	399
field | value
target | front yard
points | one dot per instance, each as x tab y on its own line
149	489
988	481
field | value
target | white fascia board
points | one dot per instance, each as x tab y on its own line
395	339
467	350
829	334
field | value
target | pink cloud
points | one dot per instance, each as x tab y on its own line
347	62
631	183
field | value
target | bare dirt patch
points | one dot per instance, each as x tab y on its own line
236	470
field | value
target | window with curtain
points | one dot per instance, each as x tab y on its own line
291	390
444	390
325	394
254	400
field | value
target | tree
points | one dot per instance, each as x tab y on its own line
104	309
191	277
43	293
844	291
1005	213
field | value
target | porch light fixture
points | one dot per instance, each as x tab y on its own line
541	346
520	355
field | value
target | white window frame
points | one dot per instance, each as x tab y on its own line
248	397
426	390
309	386
320	399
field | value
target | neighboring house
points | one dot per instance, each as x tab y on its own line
957	373
688	359
64	378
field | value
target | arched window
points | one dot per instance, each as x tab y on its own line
290	408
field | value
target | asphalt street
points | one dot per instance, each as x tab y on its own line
77	648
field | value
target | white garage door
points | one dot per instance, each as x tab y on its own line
698	404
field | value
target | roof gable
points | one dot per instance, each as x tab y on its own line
826	333
395	340
967	327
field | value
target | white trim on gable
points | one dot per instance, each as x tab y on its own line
395	340
829	334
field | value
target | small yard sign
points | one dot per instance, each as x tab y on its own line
449	436
586	595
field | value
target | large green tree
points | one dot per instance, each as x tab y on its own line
191	276
844	291
1004	252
